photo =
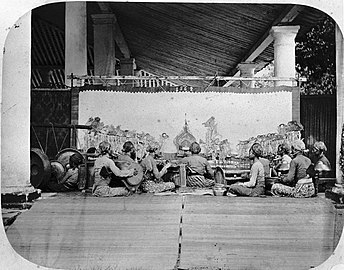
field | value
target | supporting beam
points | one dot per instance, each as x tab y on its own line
289	14
118	35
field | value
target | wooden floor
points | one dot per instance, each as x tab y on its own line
78	231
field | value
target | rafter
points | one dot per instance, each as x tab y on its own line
287	16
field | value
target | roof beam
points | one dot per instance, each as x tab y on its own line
119	38
287	16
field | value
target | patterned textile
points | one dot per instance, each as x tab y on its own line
281	190
303	189
199	181
152	187
106	191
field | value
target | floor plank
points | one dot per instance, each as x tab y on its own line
96	232
256	233
79	231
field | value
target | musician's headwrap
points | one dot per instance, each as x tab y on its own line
104	147
257	149
284	148
195	148
298	145
128	147
319	145
75	160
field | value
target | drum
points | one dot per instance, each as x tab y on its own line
269	181
40	168
63	155
57	170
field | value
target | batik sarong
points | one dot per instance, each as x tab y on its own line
152	187
106	191
304	188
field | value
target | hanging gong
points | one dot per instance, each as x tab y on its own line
63	155
40	169
57	170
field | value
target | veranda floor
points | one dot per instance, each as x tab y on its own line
79	231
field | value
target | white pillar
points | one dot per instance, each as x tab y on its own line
75	40
104	44
247	71
284	52
340	99
75	54
15	110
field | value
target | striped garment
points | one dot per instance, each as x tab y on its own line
199	181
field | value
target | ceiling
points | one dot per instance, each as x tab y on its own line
175	39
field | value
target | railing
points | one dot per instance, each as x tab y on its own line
146	79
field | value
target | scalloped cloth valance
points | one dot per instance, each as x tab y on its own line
175	89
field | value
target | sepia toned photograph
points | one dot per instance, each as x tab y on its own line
190	135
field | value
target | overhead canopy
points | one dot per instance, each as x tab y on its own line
174	38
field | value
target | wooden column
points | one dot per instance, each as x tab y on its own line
74	106
104	44
247	71
75	40
128	66
75	55
296	104
284	52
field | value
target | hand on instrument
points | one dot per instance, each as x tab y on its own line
167	165
132	172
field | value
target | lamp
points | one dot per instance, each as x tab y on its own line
320	166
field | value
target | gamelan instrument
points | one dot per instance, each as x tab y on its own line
137	178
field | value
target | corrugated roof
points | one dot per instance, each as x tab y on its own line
166	39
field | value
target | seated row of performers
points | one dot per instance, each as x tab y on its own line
114	183
110	178
300	173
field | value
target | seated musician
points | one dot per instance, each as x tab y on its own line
69	182
297	183
256	184
283	151
318	150
152	181
124	161
199	172
102	180
321	166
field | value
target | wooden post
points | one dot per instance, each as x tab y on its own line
182	175
296	103
74	117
